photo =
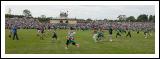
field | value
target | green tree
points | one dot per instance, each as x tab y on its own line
131	18
151	18
142	17
154	18
27	13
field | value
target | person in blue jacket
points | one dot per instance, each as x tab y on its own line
14	32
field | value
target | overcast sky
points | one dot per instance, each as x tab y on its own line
84	11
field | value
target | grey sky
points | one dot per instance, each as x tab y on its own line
84	11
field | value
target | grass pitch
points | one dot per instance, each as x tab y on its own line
29	43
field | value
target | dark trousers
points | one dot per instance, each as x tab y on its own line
15	35
129	34
54	36
118	35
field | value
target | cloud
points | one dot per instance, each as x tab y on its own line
85	11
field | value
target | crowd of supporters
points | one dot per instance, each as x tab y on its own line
31	23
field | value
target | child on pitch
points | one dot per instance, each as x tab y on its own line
149	31
54	35
95	35
110	33
70	38
146	32
100	35
118	32
42	32
137	31
38	27
128	33
38	31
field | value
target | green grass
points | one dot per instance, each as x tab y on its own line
29	43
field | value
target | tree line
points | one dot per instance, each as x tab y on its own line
121	18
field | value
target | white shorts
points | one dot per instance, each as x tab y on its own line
39	31
94	36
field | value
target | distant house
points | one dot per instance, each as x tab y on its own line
64	19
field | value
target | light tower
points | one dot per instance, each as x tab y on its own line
63	14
